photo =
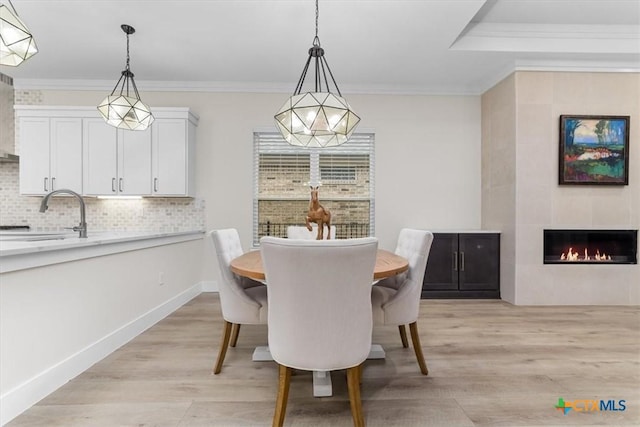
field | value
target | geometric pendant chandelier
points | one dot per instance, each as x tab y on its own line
122	109
317	118
16	42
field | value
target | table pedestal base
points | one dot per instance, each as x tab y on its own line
322	386
376	352
262	354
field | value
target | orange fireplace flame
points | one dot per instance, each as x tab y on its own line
575	256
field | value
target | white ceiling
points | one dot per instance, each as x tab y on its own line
372	46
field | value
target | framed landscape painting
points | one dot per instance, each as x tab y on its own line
594	150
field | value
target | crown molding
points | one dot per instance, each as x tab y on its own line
577	66
551	38
149	85
230	87
560	66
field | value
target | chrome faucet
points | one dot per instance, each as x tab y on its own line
82	228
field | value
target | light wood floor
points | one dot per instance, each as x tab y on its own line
490	363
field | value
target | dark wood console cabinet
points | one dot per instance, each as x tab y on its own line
463	265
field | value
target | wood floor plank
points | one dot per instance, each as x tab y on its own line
490	364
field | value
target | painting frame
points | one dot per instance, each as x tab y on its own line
594	150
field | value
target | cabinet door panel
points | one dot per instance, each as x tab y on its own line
441	272
100	157
170	157
66	154
134	164
479	261
34	155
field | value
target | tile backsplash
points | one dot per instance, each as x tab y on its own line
147	214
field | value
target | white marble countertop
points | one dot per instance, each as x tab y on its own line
20	250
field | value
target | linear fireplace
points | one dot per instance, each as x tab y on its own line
590	246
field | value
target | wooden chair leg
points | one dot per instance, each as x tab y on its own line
353	384
223	347
283	395
415	338
360	366
403	336
234	334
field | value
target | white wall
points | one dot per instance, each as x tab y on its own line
427	156
58	320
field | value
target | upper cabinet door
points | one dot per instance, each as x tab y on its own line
35	176
170	157
100	156
134	162
51	154
66	154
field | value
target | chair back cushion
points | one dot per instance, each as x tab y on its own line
397	300
237	306
301	232
415	245
319	295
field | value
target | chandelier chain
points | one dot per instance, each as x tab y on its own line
127	52
316	40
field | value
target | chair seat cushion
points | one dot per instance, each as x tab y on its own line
393	282
380	295
259	294
247	283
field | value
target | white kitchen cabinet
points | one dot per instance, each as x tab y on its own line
173	153
116	162
50	154
72	147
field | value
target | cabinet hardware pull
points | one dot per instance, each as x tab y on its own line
155	184
53	183
45	183
120	185
113	185
455	260
461	261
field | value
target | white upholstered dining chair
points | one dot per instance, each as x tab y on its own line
242	300
319	309
396	300
301	232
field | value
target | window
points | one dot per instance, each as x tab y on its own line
283	174
341	169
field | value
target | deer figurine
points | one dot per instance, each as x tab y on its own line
318	214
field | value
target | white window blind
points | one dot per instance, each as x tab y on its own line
283	174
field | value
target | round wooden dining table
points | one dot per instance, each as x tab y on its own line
388	264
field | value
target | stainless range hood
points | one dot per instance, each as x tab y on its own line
6	157
7	136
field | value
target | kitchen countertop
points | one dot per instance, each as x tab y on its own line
21	250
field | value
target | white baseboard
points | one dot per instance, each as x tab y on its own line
209	286
19	399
